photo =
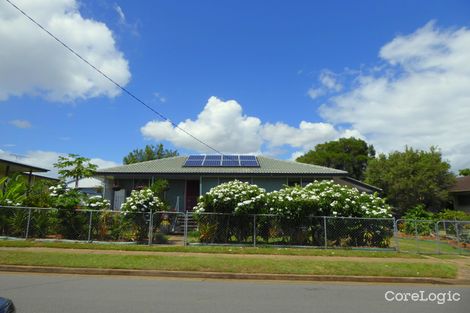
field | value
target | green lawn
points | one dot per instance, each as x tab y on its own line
429	247
213	263
211	249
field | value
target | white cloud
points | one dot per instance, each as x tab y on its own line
304	136
420	98
38	65
21	123
328	84
159	97
314	93
223	126
133	28
329	81
120	13
46	159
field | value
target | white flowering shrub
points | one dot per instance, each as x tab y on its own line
336	200
136	208
292	203
71	223
97	203
58	190
143	201
12	191
296	207
8	202
296	213
233	197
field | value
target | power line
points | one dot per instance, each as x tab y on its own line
163	117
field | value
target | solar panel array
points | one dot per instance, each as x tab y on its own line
226	160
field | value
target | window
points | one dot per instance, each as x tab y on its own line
463	200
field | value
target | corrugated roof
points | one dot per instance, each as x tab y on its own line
268	166
462	184
20	167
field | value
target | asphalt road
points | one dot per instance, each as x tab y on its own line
37	293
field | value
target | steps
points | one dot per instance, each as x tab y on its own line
178	225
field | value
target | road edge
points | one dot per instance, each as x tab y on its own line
233	276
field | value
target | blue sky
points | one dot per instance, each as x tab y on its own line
282	76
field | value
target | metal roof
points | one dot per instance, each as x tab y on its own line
462	184
268	166
15	167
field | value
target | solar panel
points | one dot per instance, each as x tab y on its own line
193	163
230	163
213	157
249	163
228	160
195	157
211	163
230	157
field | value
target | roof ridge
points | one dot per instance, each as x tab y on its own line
148	161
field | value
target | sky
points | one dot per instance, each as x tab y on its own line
261	77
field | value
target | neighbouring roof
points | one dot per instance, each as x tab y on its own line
15	167
462	184
361	184
88	182
39	176
268	166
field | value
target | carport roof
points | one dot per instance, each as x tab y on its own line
15	167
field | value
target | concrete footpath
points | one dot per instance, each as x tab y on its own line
238	276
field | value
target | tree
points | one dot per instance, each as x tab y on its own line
464	172
76	167
150	152
411	178
348	154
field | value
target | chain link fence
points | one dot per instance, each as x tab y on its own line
433	237
178	228
274	230
90	225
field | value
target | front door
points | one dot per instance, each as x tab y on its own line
119	198
192	193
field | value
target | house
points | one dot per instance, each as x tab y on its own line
9	168
195	175
90	186
460	194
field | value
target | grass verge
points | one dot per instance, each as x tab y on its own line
212	249
212	263
430	247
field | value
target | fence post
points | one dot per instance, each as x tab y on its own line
27	224
185	231
416	237
150	228
89	226
456	226
324	229
254	230
395	234
438	243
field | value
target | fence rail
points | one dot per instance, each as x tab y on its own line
188	228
